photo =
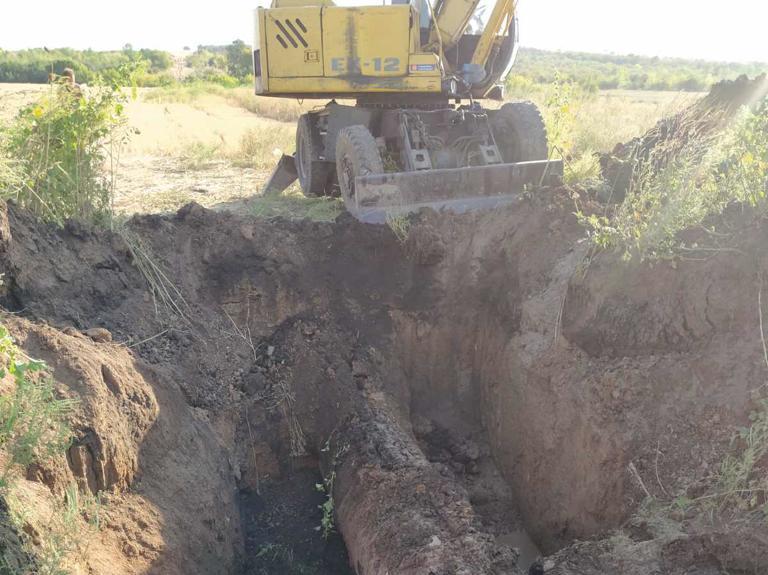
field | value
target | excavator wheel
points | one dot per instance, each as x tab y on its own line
356	155
314	174
519	131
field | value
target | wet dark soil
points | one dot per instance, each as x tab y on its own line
283	532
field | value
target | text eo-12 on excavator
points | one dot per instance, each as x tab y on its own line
416	135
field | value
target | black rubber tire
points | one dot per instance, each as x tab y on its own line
314	175
520	133
356	155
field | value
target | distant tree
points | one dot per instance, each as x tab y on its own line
158	59
239	59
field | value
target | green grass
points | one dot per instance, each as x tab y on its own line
293	205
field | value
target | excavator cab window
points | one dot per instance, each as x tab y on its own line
424	11
479	19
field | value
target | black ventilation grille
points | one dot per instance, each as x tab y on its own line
291	33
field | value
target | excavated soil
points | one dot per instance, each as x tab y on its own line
485	393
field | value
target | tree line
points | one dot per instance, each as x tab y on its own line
226	65
631	72
230	65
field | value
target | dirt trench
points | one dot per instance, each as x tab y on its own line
485	385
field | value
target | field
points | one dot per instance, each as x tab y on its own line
198	379
217	146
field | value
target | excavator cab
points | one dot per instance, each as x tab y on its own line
416	135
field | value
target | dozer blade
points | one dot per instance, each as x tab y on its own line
282	176
459	190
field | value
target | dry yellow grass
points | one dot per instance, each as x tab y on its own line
15	96
620	115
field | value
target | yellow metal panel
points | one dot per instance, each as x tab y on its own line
345	86
370	41
294	42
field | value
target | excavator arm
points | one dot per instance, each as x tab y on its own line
480	59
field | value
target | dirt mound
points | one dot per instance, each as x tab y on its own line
481	379
134	440
690	131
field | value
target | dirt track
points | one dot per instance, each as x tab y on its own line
485	377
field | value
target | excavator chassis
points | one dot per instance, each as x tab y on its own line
388	162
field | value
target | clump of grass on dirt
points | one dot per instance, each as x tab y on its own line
400	226
293	205
63	530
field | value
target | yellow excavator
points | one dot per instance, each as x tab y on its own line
408	131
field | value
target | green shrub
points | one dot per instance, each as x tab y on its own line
57	152
214	76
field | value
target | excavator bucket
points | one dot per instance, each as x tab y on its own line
382	196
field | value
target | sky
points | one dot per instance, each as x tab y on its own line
732	31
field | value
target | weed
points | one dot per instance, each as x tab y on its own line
199	155
164	290
328	507
66	532
261	148
584	169
327	521
561	113
400	226
736	492
56	149
741	486
34	427
33	421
